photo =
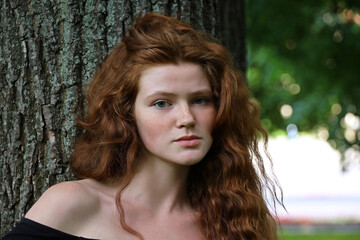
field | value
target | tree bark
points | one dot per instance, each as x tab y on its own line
49	51
231	30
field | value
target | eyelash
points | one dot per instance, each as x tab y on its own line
156	104
204	100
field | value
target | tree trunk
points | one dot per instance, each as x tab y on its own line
231	30
49	51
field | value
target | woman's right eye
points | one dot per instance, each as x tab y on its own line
161	104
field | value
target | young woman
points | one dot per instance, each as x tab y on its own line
170	149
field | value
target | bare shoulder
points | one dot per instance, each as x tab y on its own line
65	204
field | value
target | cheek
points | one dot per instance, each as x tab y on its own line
150	128
207	120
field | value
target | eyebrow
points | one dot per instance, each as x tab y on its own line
170	94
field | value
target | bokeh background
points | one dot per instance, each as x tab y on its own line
302	65
303	61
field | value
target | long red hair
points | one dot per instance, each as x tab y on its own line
226	188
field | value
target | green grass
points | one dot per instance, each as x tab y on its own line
319	236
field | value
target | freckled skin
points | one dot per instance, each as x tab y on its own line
175	101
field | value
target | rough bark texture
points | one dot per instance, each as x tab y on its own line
231	30
49	49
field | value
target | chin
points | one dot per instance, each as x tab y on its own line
191	162
191	157
188	161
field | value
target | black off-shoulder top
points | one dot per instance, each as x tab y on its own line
27	229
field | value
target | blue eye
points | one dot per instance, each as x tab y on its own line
201	100
161	104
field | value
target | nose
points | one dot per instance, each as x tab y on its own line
185	117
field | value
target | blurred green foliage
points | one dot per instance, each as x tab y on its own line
304	60
330	236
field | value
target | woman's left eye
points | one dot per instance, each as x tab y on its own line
201	100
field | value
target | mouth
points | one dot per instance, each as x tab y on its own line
188	141
191	137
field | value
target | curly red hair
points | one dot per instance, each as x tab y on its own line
226	188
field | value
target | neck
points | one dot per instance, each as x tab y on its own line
158	186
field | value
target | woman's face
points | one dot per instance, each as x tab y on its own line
175	113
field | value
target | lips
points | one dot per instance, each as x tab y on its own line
188	141
191	137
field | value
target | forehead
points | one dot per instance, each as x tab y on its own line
173	78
